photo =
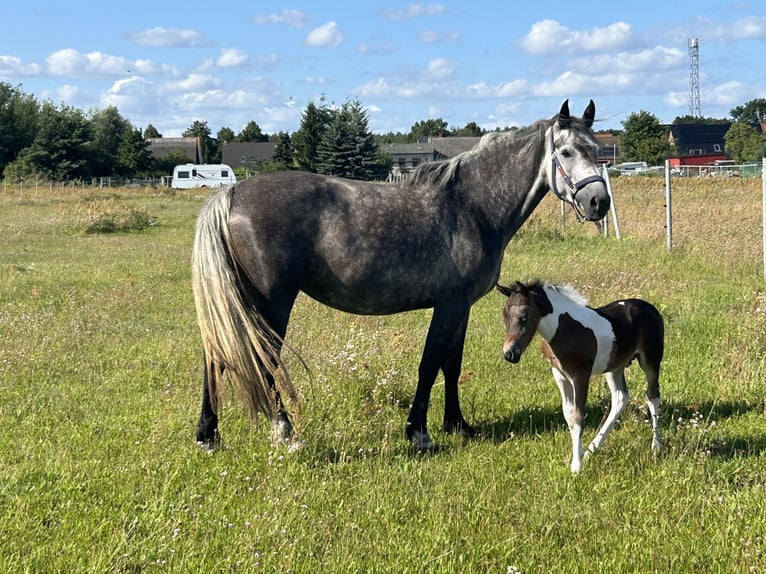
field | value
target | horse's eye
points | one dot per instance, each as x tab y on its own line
566	153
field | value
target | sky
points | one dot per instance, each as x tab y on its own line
496	63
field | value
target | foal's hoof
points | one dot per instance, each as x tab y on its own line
210	444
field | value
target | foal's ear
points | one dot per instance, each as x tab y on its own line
564	117
504	290
590	114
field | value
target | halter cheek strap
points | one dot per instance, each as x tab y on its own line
574	186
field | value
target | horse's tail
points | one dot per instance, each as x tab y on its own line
235	336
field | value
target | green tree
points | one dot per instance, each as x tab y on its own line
643	138
107	127
347	148
252	133
200	130
688	119
283	151
314	122
471	129
133	156
752	112
164	165
151	132
224	136
61	146
744	143
429	128
18	122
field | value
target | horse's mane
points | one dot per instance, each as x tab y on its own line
570	293
443	172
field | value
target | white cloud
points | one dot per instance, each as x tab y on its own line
325	36
743	29
292	18
70	62
191	83
439	69
11	66
414	11
382	48
431	37
231	57
501	90
657	58
164	37
550	37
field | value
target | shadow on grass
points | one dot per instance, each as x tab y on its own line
532	421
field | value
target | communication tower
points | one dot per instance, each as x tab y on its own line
694	78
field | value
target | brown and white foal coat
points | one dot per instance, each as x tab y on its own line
579	341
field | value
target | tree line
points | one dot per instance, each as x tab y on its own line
59	142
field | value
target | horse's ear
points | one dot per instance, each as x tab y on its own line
590	114
564	117
521	288
504	290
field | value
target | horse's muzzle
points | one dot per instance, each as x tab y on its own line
594	201
512	353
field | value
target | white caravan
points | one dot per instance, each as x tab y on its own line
190	175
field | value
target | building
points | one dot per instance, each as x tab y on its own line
248	155
408	156
189	147
609	150
699	141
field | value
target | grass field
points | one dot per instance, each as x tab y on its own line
100	380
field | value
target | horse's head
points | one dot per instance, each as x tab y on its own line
573	174
521	316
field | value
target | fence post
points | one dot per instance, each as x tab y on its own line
668	207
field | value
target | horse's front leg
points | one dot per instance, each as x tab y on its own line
445	323
207	433
573	415
453	416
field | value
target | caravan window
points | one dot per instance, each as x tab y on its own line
183	175
224	173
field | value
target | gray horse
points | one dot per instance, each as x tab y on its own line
433	241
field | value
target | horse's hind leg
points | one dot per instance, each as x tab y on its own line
207	433
620	396
651	368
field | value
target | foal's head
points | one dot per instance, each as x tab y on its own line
521	315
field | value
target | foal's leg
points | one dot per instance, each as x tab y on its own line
453	417
620	396
207	433
572	414
445	323
651	369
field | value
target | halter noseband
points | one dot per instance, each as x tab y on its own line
574	186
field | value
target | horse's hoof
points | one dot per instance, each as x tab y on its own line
210	444
281	431
421	442
462	428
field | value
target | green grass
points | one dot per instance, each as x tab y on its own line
100	378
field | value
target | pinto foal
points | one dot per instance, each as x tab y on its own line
579	341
